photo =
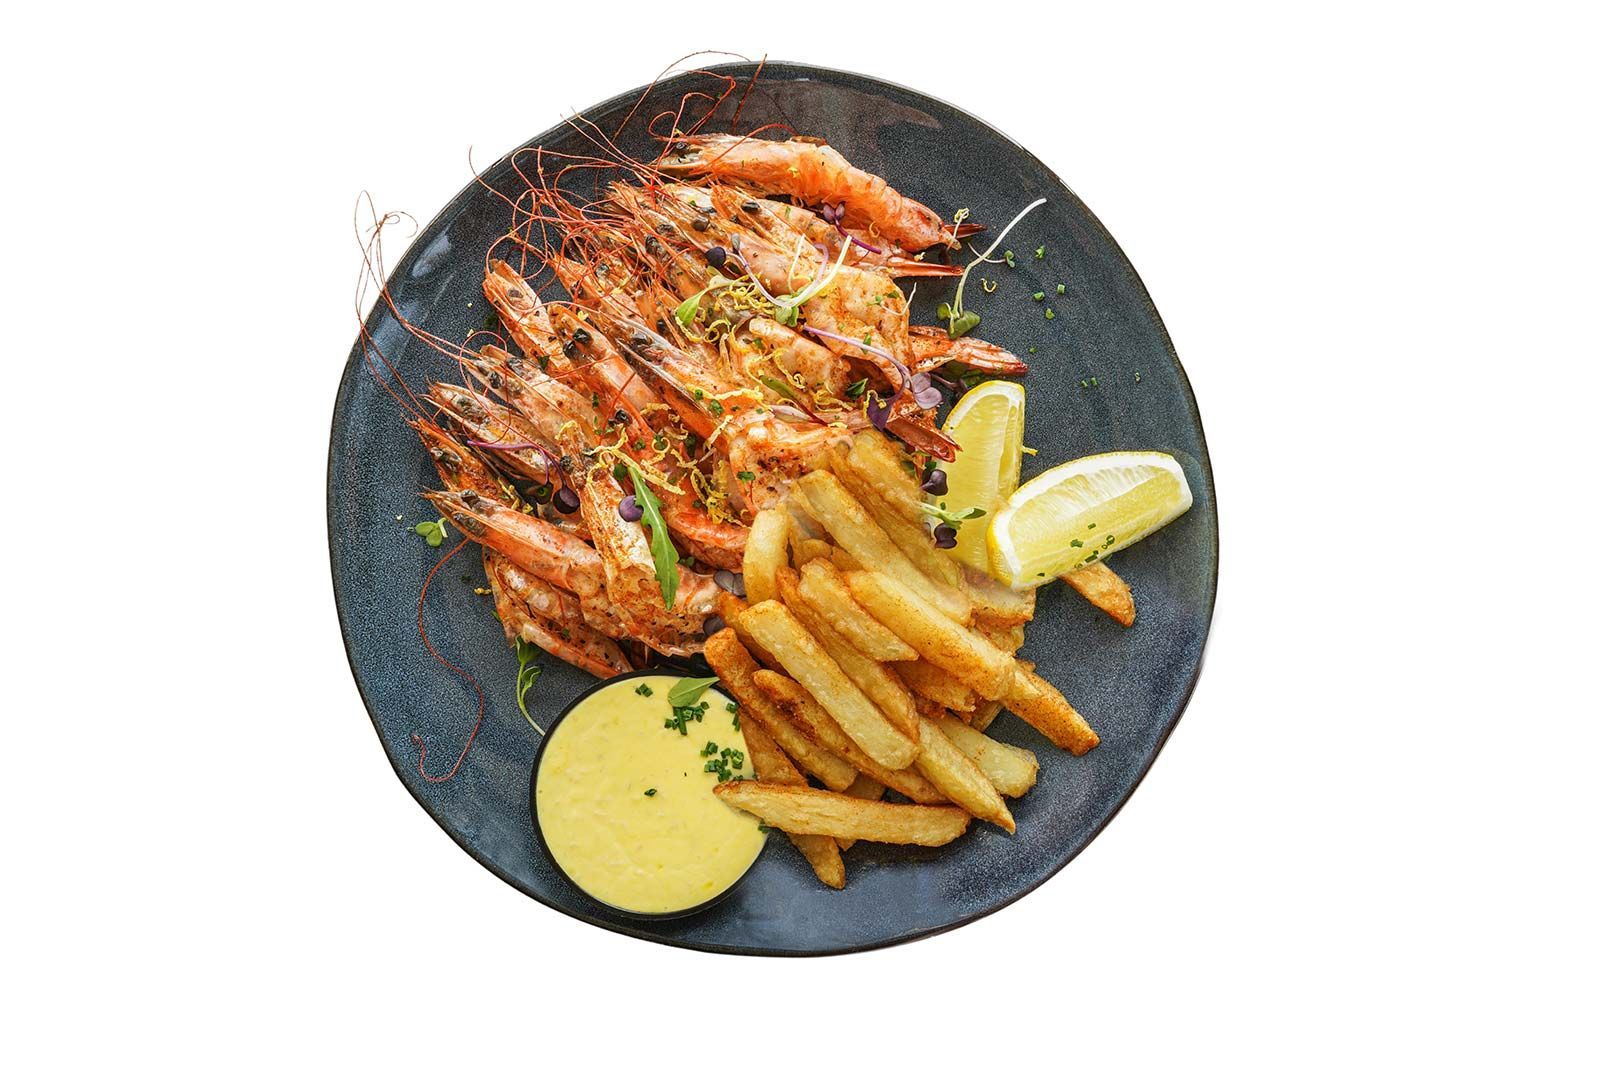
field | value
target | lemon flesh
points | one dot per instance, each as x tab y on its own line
1081	512
987	424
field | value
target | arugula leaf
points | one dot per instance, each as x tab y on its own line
528	672
689	690
662	550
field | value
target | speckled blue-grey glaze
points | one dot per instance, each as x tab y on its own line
1131	684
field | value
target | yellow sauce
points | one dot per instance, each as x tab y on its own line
642	852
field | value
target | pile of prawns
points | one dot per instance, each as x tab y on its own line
731	317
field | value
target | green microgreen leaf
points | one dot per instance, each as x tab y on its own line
953	519
432	532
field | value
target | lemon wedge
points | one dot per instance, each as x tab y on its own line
987	424
1081	512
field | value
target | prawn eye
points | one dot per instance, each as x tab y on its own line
716	255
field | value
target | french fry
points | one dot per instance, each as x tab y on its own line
765	551
822	852
1102	587
960	779
824	590
1013	770
772	626
794	809
996	606
1007	639
910	536
793	698
766	756
771	765
881	685
733	665
730	607
938	685
809	549
983	715
936	637
844	560
850	525
881	463
801	524
1041	705
866	789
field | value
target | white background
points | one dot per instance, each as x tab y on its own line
1371	232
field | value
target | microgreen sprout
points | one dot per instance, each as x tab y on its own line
961	321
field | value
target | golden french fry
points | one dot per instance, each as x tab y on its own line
822	852
983	715
793	698
1041	705
1013	770
1102	587
813	811
765	551
801	525
881	685
844	560
938	685
771	765
960	779
850	525
936	637
996	606
866	789
766	756
910	536
882	463
730	607
733	665
771	625
809	549
824	590
1007	639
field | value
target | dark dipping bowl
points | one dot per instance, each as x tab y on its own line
544	846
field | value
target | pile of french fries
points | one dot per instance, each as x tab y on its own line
867	660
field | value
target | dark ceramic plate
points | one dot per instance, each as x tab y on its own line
1131	684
